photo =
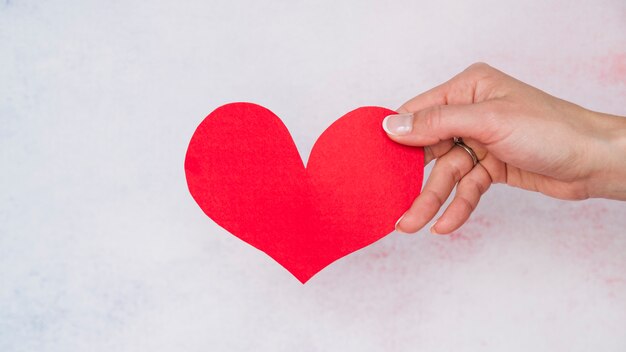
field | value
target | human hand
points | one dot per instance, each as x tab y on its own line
522	136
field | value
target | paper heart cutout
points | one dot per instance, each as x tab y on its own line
244	171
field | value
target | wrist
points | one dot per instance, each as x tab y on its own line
608	178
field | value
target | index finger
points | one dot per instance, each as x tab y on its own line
460	89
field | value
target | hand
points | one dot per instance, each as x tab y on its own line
522	136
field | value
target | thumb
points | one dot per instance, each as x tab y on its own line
432	125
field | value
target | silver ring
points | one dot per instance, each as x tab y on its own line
458	141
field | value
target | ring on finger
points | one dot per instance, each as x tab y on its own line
458	142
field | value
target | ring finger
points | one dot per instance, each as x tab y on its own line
447	172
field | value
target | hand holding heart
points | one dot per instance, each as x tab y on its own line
244	170
522	136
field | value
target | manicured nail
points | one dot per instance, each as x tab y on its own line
398	125
397	222
432	229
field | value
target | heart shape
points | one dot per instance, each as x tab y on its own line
244	171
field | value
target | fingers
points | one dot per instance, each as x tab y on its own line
468	192
456	108
433	97
447	172
438	123
461	89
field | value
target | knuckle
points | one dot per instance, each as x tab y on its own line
430	119
467	206
454	168
480	187
479	67
455	171
432	198
482	72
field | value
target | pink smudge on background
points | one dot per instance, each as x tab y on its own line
464	243
613	69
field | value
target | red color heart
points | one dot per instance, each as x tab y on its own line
244	171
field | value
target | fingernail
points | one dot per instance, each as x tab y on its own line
397	222
432	229
398	125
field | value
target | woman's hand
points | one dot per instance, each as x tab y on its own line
523	137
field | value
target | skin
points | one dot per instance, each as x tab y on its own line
522	136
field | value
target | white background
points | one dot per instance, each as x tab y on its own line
103	249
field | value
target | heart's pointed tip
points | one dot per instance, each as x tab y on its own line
303	281
303	277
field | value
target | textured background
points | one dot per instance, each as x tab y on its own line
103	249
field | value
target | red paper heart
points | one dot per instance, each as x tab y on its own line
244	171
